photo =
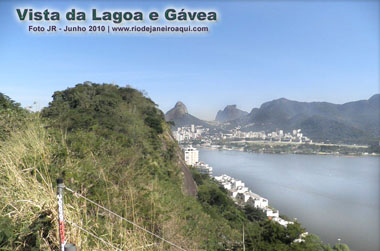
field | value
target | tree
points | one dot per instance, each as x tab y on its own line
341	247
254	214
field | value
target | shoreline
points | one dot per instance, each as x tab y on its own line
261	182
287	153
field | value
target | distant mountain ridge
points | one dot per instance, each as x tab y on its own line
230	112
351	122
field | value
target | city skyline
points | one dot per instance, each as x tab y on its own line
255	52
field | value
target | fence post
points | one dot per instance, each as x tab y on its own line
63	245
60	187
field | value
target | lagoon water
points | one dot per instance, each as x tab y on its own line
332	196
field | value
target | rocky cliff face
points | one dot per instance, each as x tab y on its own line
180	116
229	113
178	111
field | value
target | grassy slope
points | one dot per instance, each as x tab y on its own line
112	145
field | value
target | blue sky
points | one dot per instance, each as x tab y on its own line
257	51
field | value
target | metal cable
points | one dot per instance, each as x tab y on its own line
143	247
121	217
93	235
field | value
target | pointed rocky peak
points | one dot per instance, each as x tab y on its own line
181	107
178	111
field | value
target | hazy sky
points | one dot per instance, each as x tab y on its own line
256	52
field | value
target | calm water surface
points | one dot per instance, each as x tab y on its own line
332	196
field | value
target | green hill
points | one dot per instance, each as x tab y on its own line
112	145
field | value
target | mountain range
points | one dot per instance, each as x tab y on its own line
352	122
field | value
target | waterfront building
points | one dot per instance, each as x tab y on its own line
282	221
203	168
302	237
252	199
272	213
191	155
243	196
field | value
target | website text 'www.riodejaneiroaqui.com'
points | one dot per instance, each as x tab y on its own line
147	29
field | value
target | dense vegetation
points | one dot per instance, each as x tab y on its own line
112	145
10	114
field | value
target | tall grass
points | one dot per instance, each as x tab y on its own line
28	200
27	194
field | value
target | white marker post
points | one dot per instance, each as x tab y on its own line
60	188
62	242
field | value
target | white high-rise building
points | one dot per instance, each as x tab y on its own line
191	155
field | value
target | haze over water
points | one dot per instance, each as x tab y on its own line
332	196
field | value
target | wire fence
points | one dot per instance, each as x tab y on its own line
93	235
122	218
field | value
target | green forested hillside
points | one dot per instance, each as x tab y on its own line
10	114
112	145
